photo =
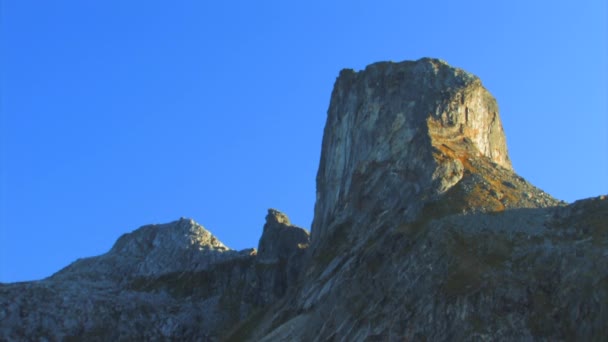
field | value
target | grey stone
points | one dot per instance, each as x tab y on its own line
394	136
422	231
280	240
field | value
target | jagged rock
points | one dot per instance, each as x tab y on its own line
154	250
280	240
167	281
281	255
386	125
126	294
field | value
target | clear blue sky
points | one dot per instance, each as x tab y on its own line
116	114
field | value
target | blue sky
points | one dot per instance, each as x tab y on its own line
116	114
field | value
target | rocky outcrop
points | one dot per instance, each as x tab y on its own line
117	296
171	281
422	231
280	240
386	126
154	250
281	253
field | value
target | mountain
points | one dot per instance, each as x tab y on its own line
422	231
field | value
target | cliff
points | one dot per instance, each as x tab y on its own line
422	231
399	135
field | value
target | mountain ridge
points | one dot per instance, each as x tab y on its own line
422	230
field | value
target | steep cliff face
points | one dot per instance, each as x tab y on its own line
386	127
422	231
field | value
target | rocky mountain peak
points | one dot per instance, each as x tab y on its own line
154	250
402	132
280	239
181	234
276	217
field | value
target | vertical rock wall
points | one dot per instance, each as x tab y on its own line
383	125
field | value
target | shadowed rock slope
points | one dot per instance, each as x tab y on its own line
422	231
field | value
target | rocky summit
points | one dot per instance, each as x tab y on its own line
422	231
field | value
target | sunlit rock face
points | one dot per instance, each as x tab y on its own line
384	126
154	250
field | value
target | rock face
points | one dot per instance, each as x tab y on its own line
523	274
281	241
386	126
154	250
281	256
172	281
422	231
